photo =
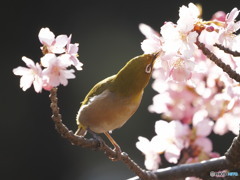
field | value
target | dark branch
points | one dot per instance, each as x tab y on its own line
93	144
227	50
225	67
202	169
233	153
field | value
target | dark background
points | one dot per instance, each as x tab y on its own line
108	34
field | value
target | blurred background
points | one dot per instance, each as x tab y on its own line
108	36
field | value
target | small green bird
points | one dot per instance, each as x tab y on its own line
112	101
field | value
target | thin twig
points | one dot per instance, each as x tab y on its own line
227	50
93	144
225	67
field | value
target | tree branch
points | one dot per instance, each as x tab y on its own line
93	144
225	67
202	169
227	50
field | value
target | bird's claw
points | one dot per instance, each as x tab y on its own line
118	153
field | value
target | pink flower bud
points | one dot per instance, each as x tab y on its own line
219	16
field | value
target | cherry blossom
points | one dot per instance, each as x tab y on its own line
71	51
176	43
180	37
50	43
178	40
59	54
229	121
188	16
153	43
30	75
152	158
219	16
172	138
178	102
227	38
202	127
192	91
56	72
180	68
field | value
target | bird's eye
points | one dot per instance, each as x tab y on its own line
148	68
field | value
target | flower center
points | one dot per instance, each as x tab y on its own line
183	36
55	70
178	63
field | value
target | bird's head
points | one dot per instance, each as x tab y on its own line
135	75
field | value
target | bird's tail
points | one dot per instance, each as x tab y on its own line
82	131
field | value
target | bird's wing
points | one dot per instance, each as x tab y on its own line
98	88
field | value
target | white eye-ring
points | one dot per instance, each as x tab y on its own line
148	68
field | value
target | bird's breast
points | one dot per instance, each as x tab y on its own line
108	111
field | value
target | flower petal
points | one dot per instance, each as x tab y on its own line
143	144
26	81
205	143
37	84
48	60
61	41
172	154
204	127
161	128
20	71
28	62
147	31
152	161
46	36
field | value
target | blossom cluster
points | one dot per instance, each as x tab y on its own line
195	97
58	55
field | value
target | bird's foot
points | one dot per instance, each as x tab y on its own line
117	149
118	153
97	137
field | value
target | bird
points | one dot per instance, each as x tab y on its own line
112	101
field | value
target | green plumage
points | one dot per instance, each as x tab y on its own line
99	88
131	79
112	101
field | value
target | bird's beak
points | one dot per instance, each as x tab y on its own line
155	55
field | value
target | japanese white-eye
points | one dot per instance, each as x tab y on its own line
112	101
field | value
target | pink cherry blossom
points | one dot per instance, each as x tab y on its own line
177	102
153	42
56	72
180	68
59	54
50	43
219	16
188	16
193	93
202	123
228	122
205	145
202	127
176	39
227	38
30	75
152	157
172	138
71	51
